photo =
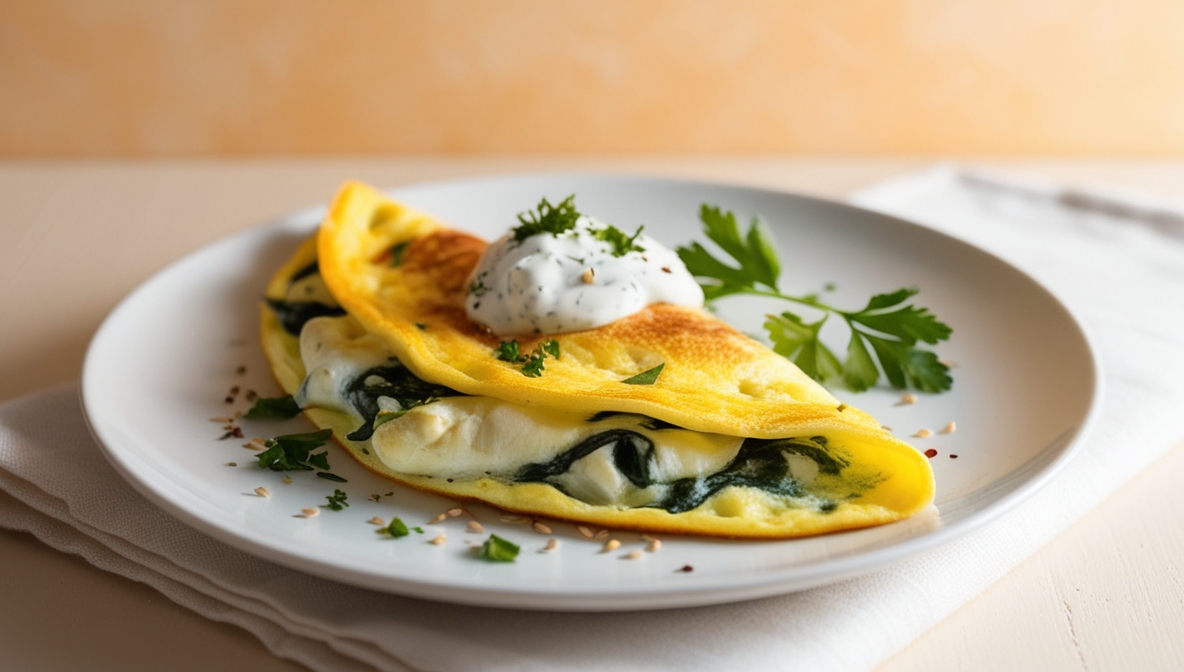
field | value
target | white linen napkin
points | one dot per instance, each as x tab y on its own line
1117	260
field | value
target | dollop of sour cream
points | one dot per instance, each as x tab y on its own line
552	283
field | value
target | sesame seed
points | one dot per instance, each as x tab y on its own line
948	363
455	511
474	526
886	428
653	546
907	399
515	520
589	276
541	528
646	537
262	491
287	480
232	464
438	519
584	531
310	513
635	555
611	545
552	544
438	540
256	443
601	535
377	521
923	434
949	429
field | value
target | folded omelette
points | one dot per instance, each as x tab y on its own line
366	326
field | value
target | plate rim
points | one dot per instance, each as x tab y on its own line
600	598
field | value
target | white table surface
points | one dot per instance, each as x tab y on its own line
76	236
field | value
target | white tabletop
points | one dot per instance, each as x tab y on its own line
76	236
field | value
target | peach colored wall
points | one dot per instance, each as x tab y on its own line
235	77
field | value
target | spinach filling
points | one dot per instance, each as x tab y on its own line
760	464
293	314
395	381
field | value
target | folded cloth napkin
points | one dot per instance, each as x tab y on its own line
1119	263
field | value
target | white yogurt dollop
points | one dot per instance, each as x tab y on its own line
552	283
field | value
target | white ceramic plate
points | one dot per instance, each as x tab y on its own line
164	360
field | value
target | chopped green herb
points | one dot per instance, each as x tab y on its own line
418	529
508	351
648	377
478	288
273	408
551	347
331	477
320	461
396	529
496	549
892	330
421	326
547	218
397	251
290	451
336	501
532	364
616	238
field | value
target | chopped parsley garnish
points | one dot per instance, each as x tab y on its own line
418	529
273	408
397	251
616	238
547	218
290	452
508	351
887	324
331	477
478	288
496	549
396	529
532	364
336	501
421	326
647	377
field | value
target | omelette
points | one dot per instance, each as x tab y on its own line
663	420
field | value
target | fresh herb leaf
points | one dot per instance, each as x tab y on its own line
331	477
533	368
273	408
496	549
532	364
647	377
336	501
396	529
418	529
320	461
478	288
887	326
397	251
290	452
421	326
621	244
547	218
509	351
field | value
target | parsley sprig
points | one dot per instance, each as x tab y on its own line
620	243
547	218
887	327
336	501
293	452
532	364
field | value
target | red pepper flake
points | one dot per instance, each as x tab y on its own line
666	269
685	569
237	433
931	453
953	456
229	400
